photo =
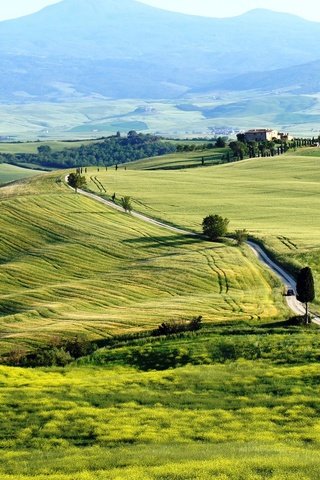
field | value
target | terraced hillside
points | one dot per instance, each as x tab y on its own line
70	265
276	199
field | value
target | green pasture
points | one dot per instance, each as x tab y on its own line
276	199
32	147
71	265
233	421
176	161
279	342
10	173
308	152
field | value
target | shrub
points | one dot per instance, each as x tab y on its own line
58	353
177	326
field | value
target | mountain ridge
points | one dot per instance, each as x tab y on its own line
124	49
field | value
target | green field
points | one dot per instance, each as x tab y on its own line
11	173
32	147
237	400
276	199
71	265
177	161
237	420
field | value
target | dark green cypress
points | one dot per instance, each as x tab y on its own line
305	288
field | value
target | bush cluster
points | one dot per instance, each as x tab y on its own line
59	352
177	326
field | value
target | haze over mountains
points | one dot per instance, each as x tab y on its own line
125	49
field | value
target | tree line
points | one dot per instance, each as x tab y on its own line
242	148
112	150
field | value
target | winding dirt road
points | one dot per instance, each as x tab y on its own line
288	281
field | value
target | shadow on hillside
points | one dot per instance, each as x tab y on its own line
165	241
290	322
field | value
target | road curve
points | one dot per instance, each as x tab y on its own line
288	281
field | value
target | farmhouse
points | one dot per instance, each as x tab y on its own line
265	135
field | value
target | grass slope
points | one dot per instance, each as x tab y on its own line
276	199
10	173
70	265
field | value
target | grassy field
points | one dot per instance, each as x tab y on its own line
252	420
275	199
32	147
10	173
238	400
71	265
178	161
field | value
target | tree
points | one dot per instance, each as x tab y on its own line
214	226
126	204
305	288
44	150
239	149
220	142
241	236
75	180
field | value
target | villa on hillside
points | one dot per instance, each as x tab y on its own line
266	135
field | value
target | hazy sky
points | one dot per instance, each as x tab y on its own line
309	9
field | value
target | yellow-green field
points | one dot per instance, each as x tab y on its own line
240	420
10	173
70	265
276	199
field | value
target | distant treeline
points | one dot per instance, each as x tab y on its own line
110	151
117	149
241	148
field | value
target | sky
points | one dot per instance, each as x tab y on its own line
309	9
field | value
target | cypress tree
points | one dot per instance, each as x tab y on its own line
305	288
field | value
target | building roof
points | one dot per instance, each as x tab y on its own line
260	130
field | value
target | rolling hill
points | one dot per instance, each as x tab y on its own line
275	199
70	266
299	79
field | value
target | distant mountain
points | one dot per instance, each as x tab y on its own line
123	48
300	79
